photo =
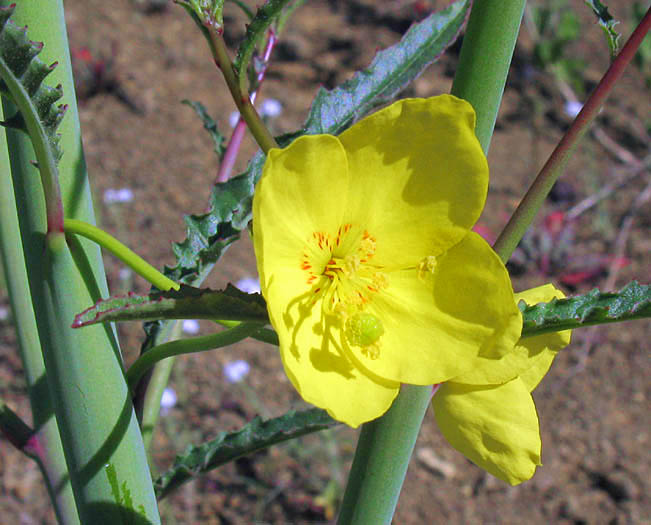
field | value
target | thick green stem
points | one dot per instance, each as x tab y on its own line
187	346
51	459
382	457
554	167
100	436
485	57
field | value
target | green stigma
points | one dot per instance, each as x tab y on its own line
363	329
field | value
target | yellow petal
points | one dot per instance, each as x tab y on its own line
310	346
420	176
540	294
293	199
297	195
435	328
301	188
543	348
530	358
495	427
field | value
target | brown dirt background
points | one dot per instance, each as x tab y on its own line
593	405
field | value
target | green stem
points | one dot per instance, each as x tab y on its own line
385	447
127	256
151	390
51	461
382	457
555	165
262	334
485	59
247	110
187	346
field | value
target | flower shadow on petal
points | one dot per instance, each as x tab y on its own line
322	358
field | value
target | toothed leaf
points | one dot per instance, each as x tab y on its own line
389	73
631	302
254	32
186	303
209	125
22	74
228	446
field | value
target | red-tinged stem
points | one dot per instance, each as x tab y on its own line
535	196
233	148
220	54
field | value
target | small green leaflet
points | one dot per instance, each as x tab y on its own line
607	23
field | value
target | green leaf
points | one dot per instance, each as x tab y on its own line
209	125
631	302
254	32
185	303
228	446
22	74
390	72
209	234
607	23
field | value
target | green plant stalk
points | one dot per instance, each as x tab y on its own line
101	440
119	250
204	343
257	127
99	430
555	165
50	457
485	60
155	386
381	459
386	444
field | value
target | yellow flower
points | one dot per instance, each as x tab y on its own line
488	414
366	259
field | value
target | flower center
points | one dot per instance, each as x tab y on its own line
341	270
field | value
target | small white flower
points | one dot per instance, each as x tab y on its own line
4	313
233	118
125	274
236	371
249	284
121	195
271	108
168	400
572	108
191	326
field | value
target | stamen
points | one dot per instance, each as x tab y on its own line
427	265
347	282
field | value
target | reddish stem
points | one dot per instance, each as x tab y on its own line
532	201
233	148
